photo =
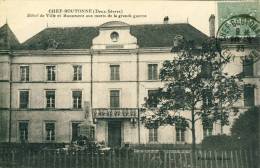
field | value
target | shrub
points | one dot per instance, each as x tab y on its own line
220	142
246	128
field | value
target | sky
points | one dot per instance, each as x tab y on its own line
15	13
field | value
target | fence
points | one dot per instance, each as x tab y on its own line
128	158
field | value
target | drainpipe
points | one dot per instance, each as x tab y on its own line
91	83
10	99
138	92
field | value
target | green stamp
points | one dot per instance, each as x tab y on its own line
238	23
238	19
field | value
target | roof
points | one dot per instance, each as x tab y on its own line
162	35
114	24
64	38
7	38
149	35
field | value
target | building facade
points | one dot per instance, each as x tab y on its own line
54	81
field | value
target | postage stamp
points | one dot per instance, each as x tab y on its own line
239	24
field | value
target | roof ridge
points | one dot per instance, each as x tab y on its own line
64	27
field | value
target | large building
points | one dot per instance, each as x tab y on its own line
52	82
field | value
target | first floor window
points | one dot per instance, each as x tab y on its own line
207	97
24	73
51	72
153	135
77	99
249	95
114	98
248	67
50	131
179	93
180	134
152	71
77	72
152	98
23	131
24	99
50	99
114	72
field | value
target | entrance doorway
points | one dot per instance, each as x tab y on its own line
114	133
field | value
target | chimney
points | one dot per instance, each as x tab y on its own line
166	20
212	25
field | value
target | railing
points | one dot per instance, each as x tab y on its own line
115	112
129	158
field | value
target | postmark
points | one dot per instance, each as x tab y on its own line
243	32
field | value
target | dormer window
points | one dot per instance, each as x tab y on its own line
114	36
178	40
177	43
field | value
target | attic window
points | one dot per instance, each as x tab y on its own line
114	36
177	41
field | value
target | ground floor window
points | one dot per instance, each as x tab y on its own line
23	131
75	131
50	131
180	134
207	130
153	135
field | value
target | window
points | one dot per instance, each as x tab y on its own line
114	98
75	131
50	131
77	99
207	132
207	97
50	99
23	131
152	98
180	134
152	71
51	72
24	73
248	67
249	95
206	70
24	99
114	72
179	93
77	72
153	135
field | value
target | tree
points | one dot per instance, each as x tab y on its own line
194	81
246	128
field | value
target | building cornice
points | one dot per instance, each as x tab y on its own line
69	52
51	52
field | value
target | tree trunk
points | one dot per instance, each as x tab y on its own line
193	130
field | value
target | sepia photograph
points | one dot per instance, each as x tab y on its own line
129	84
